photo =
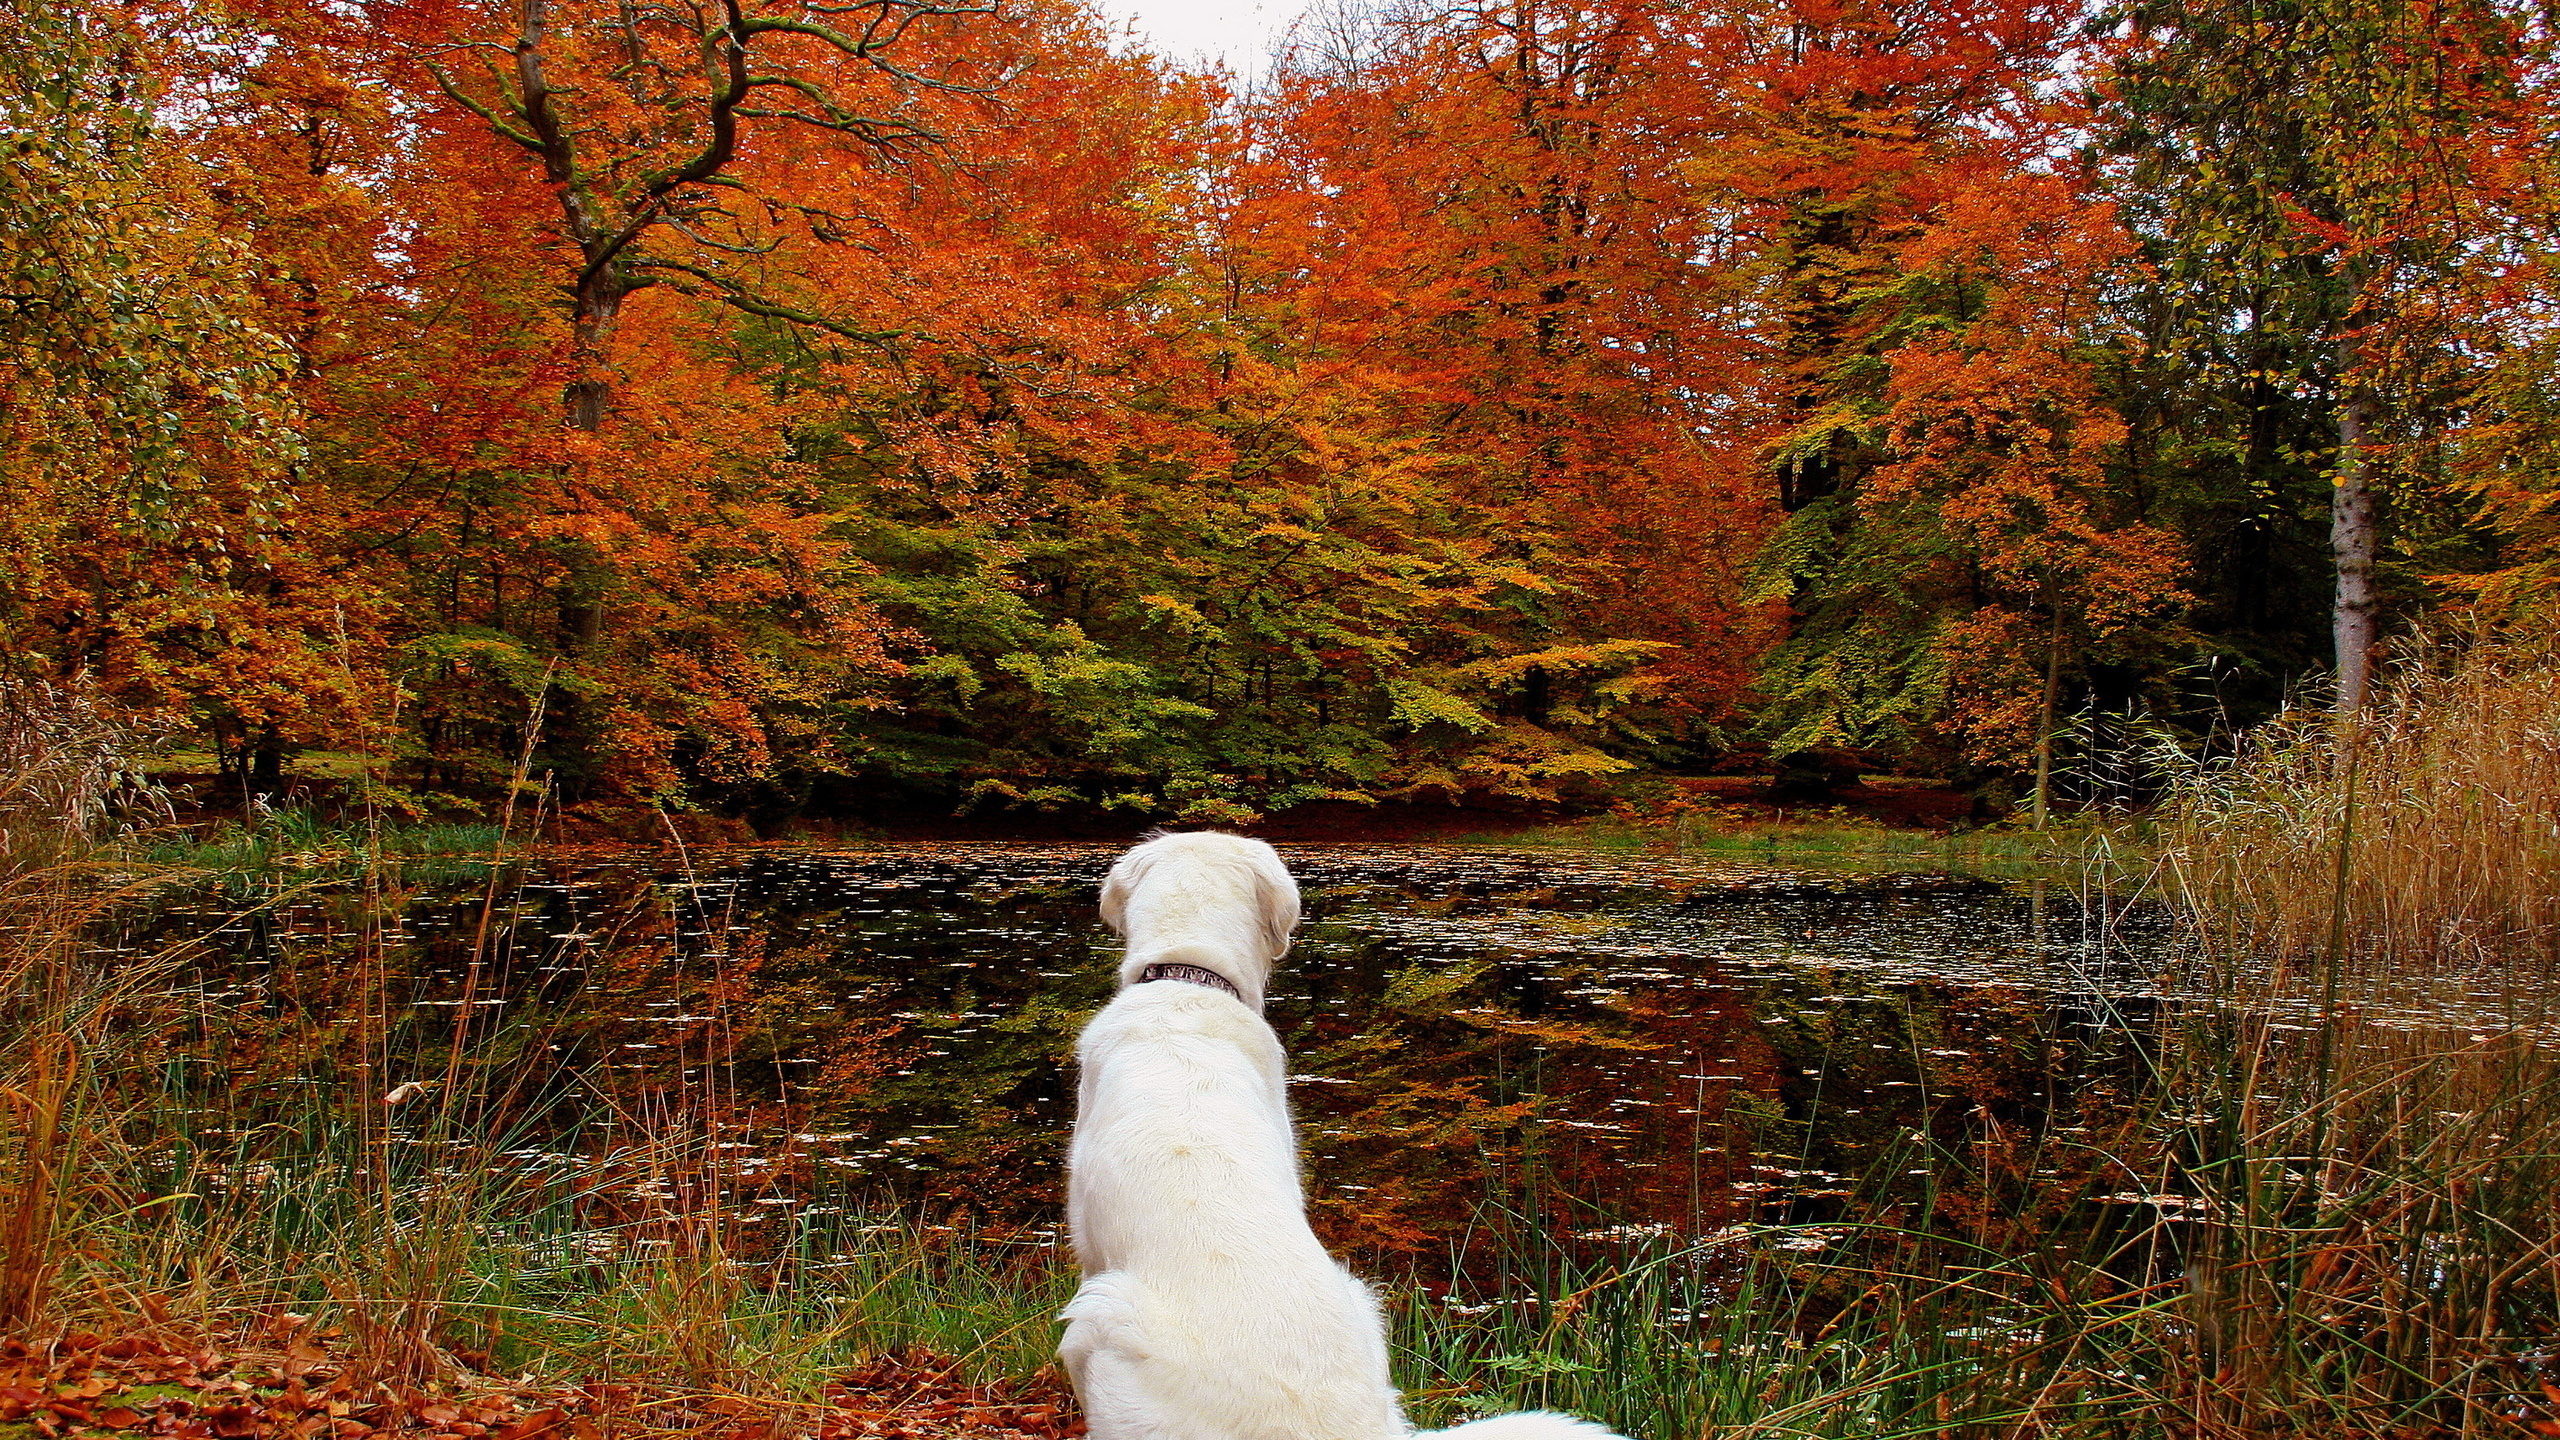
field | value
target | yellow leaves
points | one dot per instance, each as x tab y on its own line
1519	577
1411	702
1814	436
1181	614
1514	758
1594	655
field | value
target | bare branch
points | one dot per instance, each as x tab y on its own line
488	114
865	49
686	229
880	134
729	291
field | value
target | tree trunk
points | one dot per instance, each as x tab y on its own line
2351	543
266	762
2044	726
580	624
599	306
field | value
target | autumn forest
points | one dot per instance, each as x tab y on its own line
741	404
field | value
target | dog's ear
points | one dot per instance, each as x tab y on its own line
1279	906
1115	896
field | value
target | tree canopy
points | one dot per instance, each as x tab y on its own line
757	404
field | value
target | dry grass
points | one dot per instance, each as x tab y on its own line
67	760
2368	1130
135	1193
64	759
2421	838
2369	1236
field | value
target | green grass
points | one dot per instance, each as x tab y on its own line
2110	846
301	840
552	1269
1731	1339
310	764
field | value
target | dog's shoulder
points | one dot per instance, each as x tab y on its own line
1163	1013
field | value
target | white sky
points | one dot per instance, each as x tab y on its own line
1239	32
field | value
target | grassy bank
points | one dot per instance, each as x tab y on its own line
1839	840
303	840
2237	1253
313	1219
2312	1215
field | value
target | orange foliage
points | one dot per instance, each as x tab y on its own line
784	395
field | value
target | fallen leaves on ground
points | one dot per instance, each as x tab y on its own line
296	1385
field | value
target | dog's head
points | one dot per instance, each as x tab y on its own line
1203	898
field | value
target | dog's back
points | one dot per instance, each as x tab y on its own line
1210	1311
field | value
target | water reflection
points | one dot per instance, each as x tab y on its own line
1593	1045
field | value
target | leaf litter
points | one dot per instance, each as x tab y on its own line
292	1382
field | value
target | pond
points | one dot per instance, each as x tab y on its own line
1594	1043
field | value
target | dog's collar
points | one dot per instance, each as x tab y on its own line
1195	974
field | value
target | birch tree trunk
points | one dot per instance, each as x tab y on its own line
2046	716
2351	544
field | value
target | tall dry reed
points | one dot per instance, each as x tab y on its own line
2421	835
65	760
2363	1151
67	757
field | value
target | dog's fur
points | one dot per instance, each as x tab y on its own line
1209	1311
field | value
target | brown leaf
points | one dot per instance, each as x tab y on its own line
232	1421
526	1427
122	1417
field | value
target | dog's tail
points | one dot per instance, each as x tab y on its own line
1526	1425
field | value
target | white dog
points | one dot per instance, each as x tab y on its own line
1208	1310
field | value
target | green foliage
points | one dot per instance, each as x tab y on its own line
1215	644
148	427
136	371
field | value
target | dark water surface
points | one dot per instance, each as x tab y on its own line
1628	1043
